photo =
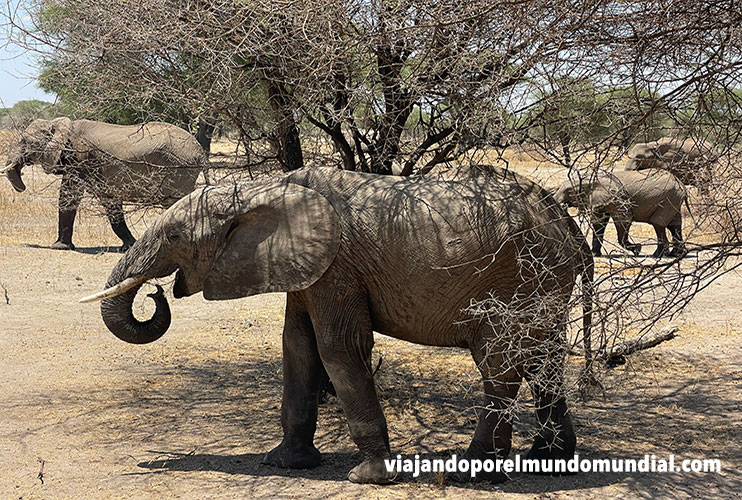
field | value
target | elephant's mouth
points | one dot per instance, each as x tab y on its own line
14	176
180	287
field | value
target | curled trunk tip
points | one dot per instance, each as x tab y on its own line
119	319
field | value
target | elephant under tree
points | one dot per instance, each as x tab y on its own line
653	196
359	253
689	160
151	163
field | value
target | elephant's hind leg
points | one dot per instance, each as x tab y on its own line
115	213
676	230
556	437
303	375
501	369
662	244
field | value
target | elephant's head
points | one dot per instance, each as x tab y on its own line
41	142
569	194
645	155
229	241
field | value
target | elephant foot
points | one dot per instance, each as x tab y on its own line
61	245
597	253
678	252
634	248
549	445
305	457
372	471
660	252
478	451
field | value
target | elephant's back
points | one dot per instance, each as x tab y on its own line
155	142
141	163
653	189
425	248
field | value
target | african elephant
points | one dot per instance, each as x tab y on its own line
148	163
654	196
358	253
689	160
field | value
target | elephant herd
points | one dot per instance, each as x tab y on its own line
360	253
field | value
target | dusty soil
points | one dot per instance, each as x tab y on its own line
84	415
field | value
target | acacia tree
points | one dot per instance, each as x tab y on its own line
353	73
399	86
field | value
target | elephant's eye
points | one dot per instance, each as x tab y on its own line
172	235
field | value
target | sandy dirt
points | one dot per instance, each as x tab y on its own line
84	415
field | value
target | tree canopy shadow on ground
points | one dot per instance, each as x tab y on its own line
223	415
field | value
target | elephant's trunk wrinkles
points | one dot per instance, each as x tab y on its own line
118	316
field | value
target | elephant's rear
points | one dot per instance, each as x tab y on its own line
657	195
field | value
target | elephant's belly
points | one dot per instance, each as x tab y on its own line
436	317
444	335
147	183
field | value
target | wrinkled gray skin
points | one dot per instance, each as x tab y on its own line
653	196
359	253
152	163
689	160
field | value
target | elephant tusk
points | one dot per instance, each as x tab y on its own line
6	169
113	291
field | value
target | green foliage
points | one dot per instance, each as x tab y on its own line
24	112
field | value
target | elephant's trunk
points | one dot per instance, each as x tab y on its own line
118	316
14	176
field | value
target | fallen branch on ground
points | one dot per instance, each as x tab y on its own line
617	355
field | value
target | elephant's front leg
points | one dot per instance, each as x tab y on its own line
303	375
623	225
599	223
344	337
70	195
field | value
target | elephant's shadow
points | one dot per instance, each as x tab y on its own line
84	250
335	467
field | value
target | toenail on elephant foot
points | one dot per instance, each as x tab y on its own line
284	456
60	245
372	471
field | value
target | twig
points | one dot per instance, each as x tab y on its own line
617	355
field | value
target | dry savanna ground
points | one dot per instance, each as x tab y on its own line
85	415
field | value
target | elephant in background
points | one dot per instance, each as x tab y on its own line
653	196
150	163
403	256
689	160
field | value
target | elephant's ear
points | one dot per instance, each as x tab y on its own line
61	130
281	239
